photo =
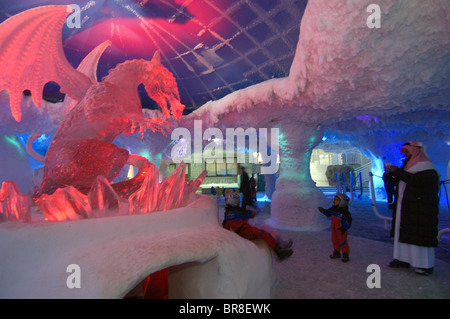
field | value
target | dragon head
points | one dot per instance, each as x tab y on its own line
161	86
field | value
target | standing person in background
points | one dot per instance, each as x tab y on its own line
416	210
253	188
388	180
245	189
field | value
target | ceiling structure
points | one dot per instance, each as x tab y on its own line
212	47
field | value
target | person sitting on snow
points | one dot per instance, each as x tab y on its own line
236	219
341	220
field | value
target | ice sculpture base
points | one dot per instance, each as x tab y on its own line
243	269
116	253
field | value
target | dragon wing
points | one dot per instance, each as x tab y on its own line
88	67
31	54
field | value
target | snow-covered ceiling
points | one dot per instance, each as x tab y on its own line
212	47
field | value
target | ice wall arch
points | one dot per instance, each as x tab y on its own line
319	165
381	137
343	70
384	135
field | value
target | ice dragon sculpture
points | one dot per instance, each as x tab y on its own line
31	54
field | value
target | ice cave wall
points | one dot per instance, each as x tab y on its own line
342	70
382	137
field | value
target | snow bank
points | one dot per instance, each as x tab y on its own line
114	254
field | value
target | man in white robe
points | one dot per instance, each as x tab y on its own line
416	212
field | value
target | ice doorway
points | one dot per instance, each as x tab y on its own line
339	161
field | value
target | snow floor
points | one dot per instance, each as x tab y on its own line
310	273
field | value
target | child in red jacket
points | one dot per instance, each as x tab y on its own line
341	220
236	219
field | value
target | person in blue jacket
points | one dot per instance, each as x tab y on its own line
341	221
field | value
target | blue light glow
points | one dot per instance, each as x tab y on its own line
40	145
264	199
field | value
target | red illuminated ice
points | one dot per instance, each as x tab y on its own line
65	204
171	189
82	161
31	55
14	205
191	187
104	201
145	199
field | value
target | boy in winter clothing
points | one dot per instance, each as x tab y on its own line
236	219
341	220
